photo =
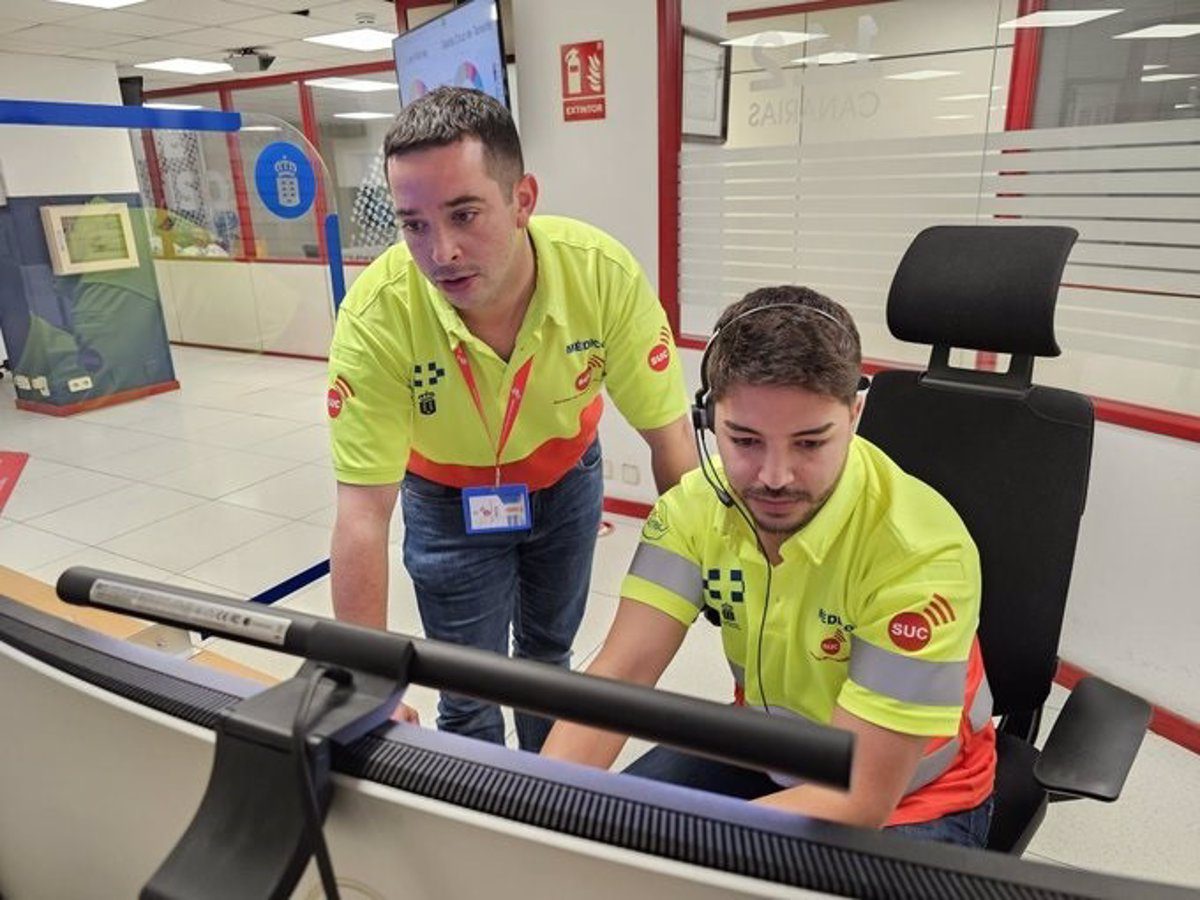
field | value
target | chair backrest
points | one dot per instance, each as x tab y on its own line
1011	457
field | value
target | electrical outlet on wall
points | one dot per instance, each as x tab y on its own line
606	466
630	474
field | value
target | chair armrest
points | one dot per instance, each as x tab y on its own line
1092	746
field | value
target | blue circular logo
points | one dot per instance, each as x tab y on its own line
285	180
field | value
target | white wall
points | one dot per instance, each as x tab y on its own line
1133	615
38	160
606	171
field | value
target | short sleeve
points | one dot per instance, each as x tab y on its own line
910	646
370	406
665	572
643	373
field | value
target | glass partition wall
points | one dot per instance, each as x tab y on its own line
852	128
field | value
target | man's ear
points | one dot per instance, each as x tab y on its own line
525	194
856	409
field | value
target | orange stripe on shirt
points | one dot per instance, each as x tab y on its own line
540	469
971	778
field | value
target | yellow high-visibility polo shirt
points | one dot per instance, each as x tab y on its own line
874	608
394	384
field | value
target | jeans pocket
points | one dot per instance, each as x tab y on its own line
429	491
591	457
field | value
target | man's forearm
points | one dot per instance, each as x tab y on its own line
359	575
672	453
584	745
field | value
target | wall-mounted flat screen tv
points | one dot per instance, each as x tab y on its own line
463	47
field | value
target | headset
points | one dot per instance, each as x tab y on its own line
704	419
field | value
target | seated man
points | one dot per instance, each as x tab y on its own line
847	591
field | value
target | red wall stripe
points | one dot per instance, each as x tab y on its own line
1175	728
238	174
1022	79
766	12
670	128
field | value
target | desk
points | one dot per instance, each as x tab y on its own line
41	597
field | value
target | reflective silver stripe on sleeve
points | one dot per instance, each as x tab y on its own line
669	570
905	678
933	765
739	673
981	706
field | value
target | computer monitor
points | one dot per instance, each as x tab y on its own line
463	47
108	747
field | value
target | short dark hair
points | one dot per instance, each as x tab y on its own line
804	340
447	115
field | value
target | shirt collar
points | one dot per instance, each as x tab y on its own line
816	538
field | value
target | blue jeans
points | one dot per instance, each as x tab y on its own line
968	828
471	589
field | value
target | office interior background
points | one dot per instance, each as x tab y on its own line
812	152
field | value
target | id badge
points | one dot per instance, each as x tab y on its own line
502	507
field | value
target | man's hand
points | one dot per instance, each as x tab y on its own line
640	644
405	713
359	558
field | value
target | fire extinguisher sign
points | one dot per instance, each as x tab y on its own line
582	80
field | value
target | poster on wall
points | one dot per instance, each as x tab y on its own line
582	67
88	332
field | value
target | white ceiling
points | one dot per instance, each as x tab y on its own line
198	29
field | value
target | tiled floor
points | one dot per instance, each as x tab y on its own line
224	486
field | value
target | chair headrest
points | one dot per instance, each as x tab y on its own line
981	287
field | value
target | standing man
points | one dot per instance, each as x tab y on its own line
847	591
468	362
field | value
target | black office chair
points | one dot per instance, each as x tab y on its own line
1013	460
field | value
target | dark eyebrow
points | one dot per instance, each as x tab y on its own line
745	429
449	204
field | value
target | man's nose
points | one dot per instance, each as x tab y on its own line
445	247
776	472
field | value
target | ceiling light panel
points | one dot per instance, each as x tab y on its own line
100	4
774	39
922	75
362	39
357	85
1160	31
1064	18
1169	76
186	66
363	115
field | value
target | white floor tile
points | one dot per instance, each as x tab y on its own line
301	408
223	472
307	444
82	444
184	540
95	558
183	422
38	468
163	456
245	432
116	512
614	553
25	549
254	566
1152	831
294	494
31	499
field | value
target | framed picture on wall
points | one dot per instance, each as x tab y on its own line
705	87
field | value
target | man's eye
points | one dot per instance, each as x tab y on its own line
463	216
743	441
413	227
811	445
